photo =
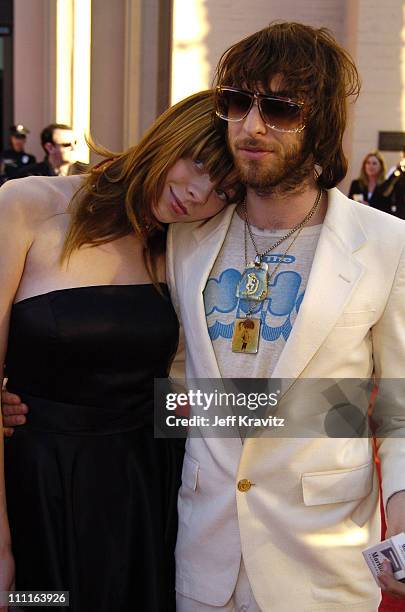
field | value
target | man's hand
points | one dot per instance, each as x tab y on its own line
388	584
13	412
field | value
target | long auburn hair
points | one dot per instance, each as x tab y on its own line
363	179
117	194
313	68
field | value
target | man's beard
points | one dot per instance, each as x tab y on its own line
289	170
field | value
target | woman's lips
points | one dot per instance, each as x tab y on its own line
177	205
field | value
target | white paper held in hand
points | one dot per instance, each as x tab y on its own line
392	549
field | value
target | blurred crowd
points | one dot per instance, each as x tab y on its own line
59	145
377	187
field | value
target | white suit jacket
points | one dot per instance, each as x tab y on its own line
314	504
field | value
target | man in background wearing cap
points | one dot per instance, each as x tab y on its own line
59	144
15	159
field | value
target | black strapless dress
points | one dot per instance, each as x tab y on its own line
91	495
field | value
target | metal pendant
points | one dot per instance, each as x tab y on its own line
246	334
254	281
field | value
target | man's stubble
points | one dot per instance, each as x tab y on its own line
288	169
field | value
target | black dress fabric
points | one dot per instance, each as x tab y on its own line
91	495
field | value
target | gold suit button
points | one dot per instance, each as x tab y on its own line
244	485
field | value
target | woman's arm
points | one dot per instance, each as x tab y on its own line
15	240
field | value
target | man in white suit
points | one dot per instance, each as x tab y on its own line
279	524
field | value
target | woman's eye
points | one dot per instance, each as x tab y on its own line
222	194
198	164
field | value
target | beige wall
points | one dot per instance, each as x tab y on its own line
31	68
147	64
35	69
380	56
203	29
107	73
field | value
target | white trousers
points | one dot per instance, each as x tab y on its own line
242	599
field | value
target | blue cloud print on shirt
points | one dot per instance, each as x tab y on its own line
284	299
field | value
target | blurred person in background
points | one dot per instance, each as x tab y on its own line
394	191
15	159
395	167
59	144
367	187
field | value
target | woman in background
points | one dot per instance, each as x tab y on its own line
86	324
367	187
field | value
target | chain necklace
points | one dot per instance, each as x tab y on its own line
299	226
273	273
254	284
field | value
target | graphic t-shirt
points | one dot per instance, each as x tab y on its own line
277	312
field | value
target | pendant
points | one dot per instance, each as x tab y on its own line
254	281
246	333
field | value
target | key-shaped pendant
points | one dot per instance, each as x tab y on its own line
254	281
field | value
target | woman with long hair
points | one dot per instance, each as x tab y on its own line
367	187
86	324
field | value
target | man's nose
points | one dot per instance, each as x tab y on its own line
253	123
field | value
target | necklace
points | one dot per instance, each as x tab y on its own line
299	226
254	284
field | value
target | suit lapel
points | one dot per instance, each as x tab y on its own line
334	275
208	239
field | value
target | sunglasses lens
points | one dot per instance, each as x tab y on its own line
233	105
281	114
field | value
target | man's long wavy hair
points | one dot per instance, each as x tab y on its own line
313	68
118	193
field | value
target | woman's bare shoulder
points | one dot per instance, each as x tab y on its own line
35	198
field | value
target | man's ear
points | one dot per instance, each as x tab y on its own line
48	146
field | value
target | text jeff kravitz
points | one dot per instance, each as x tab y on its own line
228	421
